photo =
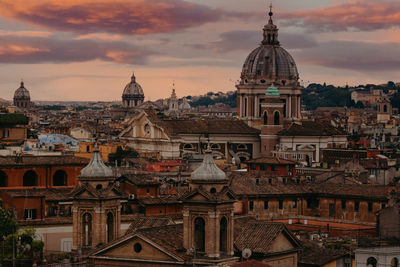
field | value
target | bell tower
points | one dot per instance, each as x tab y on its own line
272	111
208	215
96	206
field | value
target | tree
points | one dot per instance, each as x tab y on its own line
8	224
122	154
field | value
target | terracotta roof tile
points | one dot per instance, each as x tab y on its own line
148	222
312	128
256	235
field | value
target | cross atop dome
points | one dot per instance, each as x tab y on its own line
270	13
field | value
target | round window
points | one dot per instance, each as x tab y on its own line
213	190
137	247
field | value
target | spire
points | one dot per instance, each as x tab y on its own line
22	83
270	14
270	30
173	94
133	78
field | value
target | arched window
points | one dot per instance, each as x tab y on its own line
265	118
384	108
60	178
110	227
30	178
87	230
276	118
188	146
371	262
394	262
223	235
3	179
200	234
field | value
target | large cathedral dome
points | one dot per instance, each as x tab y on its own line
133	88
22	98
270	63
22	93
133	95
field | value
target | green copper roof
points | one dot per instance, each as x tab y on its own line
272	91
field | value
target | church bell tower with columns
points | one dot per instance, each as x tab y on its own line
208	215
96	206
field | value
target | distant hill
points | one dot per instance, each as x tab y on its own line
214	98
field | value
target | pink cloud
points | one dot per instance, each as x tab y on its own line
117	16
364	15
23	49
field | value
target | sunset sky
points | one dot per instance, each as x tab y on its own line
87	49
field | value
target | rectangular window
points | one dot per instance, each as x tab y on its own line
356	206
263	167
286	156
331	210
253	166
280	204
343	204
265	204
30	214
309	204
300	156
383	206
370	206
251	205
294	156
317	202
295	204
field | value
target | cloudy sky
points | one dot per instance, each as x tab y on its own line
88	49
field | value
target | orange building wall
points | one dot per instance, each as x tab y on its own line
44	173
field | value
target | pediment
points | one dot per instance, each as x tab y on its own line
196	196
137	247
84	192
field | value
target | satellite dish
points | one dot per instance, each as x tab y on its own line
246	253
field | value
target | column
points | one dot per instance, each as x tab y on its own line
299	107
289	107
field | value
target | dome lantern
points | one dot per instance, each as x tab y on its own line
270	31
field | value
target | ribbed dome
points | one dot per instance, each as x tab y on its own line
270	63
208	170
133	88
22	93
96	167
